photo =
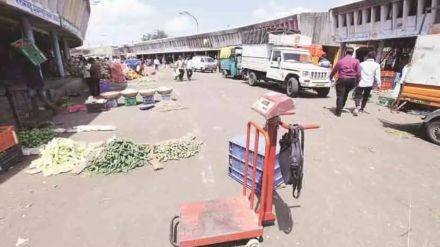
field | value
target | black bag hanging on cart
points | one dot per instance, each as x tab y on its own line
291	158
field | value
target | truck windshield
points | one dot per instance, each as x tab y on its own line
209	60
297	58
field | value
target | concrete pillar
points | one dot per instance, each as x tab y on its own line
419	17
27	28
57	53
364	17
383	16
379	50
342	47
341	20
395	13
206	53
355	17
66	49
373	19
405	12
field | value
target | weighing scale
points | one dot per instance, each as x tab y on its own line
239	218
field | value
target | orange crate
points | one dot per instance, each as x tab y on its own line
8	137
386	85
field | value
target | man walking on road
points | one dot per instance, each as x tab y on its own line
156	64
370	76
348	70
189	68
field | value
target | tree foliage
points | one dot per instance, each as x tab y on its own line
158	34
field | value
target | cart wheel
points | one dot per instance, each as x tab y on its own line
253	243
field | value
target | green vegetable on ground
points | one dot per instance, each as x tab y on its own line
35	137
119	155
176	149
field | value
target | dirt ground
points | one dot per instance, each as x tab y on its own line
369	180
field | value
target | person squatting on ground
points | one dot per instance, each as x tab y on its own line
348	70
370	77
189	68
93	80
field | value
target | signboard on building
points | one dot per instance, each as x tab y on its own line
290	40
36	9
71	28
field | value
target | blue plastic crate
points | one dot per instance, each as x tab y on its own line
237	151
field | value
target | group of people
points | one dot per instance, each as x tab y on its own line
92	74
362	77
181	66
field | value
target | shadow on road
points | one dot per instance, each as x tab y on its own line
404	130
12	171
283	213
304	94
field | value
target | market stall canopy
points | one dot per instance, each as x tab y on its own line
425	64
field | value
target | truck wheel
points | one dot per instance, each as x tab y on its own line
252	80
253	243
323	92
225	73
292	87
433	131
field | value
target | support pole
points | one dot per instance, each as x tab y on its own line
379	51
272	129
66	49
27	28
57	53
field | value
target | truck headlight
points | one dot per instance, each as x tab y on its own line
305	73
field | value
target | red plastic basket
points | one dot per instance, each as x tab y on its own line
8	137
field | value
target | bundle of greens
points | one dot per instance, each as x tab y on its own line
119	155
35	137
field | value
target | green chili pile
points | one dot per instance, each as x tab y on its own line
119	155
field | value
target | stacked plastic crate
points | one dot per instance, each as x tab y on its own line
10	149
237	151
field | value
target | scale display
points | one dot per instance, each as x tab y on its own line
273	104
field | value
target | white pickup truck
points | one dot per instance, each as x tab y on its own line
291	68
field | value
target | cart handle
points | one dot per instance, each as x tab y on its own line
305	126
173	231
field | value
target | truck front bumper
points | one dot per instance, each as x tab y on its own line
309	83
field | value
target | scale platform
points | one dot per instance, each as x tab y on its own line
217	221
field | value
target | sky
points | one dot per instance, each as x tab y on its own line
117	22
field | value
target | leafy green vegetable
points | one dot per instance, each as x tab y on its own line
35	137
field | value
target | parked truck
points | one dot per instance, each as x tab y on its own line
282	61
230	61
422	83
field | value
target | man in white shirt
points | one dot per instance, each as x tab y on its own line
189	68
370	77
156	64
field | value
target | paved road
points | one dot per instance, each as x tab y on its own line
365	183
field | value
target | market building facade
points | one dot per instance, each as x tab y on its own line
31	29
390	27
55	26
314	25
